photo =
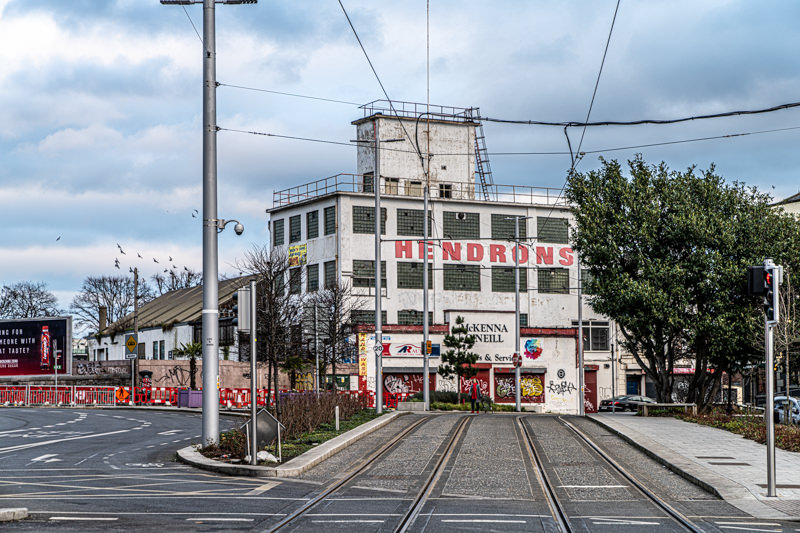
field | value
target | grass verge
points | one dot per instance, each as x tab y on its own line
749	426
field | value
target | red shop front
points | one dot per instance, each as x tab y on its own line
531	385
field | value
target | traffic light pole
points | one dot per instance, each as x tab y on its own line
768	410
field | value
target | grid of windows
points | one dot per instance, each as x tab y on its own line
330	274
295	280
412	317
462	277
523	320
330	220
503	227
555	230
595	335
409	275
410	222
391	185
503	279
277	233
294	228
364	219
553	281
312	278
414	188
366	316
364	273
312	224
369	182
460	225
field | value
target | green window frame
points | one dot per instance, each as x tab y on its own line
461	225
330	220
312	224
278	234
552	229
364	273
503	279
503	227
462	277
364	219
553	281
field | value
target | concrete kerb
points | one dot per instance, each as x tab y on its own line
294	467
10	515
733	493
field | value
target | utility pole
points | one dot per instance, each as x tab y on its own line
253	376
426	394
135	361
517	372
581	398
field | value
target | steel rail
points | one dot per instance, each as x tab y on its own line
430	483
349	475
663	505
556	509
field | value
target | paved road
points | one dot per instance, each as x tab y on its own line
114	470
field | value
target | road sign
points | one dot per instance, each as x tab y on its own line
516	359
378	348
131	345
428	347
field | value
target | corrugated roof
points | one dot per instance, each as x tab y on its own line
177	307
790	200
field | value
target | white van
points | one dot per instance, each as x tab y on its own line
780	409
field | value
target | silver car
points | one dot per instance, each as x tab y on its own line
780	409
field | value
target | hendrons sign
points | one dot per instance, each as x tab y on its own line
494	253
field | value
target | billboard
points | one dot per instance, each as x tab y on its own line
35	346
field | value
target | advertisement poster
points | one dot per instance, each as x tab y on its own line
35	346
297	255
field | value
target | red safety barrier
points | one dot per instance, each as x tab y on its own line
12	395
46	395
93	396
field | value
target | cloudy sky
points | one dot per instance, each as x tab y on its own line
100	107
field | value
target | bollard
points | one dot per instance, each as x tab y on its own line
336	411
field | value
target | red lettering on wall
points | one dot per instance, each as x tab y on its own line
566	257
451	250
403	249
523	254
497	253
544	255
474	251
430	250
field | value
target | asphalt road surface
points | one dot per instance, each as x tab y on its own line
115	470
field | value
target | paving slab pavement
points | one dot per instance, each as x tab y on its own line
724	463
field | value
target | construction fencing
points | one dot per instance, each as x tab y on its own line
82	396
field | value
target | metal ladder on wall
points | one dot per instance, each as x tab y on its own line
482	166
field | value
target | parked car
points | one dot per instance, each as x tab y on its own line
625	402
779	411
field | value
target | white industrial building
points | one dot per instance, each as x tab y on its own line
328	227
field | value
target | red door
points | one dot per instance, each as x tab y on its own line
590	391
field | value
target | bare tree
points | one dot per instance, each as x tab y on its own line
174	279
28	299
115	293
278	308
336	306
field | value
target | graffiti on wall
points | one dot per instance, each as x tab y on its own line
564	387
396	383
304	381
531	388
483	383
175	376
446	385
96	368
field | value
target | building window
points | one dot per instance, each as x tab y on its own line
277	233
294	228
414	188
162	353
391	185
330	220
312	277
503	227
330	274
553	281
368	182
155	349
595	335
366	316
409	275
280	284
586	281
312	224
295	280
227	332
503	279
460	225
364	273
412	317
523	320
555	230
410	222
445	190
462	277
364	219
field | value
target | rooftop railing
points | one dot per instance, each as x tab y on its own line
415	109
411	187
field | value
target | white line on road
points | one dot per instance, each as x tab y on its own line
217	519
262	489
748	528
348	521
35	444
623	522
170	432
87	458
485	521
96	518
593	486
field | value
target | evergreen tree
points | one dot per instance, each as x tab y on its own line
458	360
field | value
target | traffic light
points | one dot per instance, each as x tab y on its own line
755	280
242	310
771	282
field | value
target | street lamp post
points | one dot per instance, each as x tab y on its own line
211	224
517	366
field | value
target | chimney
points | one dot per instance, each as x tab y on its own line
103	317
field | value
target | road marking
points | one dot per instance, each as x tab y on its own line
262	489
87	458
348	521
593	486
46	458
623	522
170	432
35	444
486	521
747	524
748	528
217	519
96	518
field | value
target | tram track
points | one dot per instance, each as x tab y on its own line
418	501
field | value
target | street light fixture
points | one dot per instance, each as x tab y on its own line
211	224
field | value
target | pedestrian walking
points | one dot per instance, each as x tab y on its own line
475	395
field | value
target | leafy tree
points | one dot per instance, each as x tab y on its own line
335	306
174	279
667	253
193	350
28	299
458	360
115	293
